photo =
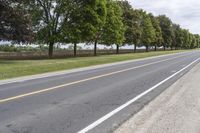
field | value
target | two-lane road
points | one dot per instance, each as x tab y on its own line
95	100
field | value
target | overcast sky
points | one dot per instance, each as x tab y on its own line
184	12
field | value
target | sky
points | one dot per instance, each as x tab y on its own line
183	12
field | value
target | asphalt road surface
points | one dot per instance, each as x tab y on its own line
95	100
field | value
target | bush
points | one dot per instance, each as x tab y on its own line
18	48
8	48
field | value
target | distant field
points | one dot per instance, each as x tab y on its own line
17	68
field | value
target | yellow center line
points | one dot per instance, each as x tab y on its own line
80	81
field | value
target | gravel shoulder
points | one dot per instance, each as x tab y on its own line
176	110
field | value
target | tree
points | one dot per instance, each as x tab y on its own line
166	27
190	41
98	22
113	30
127	20
94	17
137	30
85	22
148	32
47	18
194	42
132	22
158	32
178	36
15	22
71	27
186	38
197	40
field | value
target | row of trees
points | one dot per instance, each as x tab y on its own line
145	29
107	22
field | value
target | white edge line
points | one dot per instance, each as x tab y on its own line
107	116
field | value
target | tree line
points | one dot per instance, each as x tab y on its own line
94	22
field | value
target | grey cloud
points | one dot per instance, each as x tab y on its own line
184	12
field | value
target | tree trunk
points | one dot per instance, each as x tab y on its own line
164	47
75	49
51	49
95	48
135	48
171	47
117	50
147	48
155	47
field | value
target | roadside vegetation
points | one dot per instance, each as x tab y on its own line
93	22
17	48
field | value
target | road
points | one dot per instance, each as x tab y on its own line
95	100
177	109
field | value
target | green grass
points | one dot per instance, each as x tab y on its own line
17	68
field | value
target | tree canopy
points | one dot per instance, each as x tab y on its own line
108	22
167	31
158	38
113	30
148	31
15	23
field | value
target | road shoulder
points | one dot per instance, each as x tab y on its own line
176	110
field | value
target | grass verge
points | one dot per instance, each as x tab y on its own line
17	68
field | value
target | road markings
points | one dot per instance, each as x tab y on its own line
107	116
80	81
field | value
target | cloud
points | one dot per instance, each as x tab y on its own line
183	12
